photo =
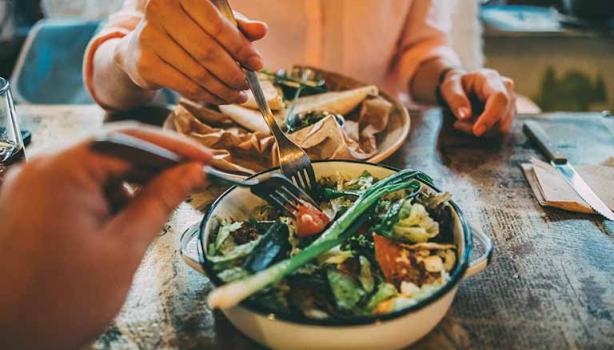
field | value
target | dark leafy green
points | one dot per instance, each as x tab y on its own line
390	217
331	193
361	245
298	121
290	81
273	247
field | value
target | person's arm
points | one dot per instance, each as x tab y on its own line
183	45
69	250
429	67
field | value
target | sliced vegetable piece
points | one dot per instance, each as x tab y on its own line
397	264
272	247
366	275
310	220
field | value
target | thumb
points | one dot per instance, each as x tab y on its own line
453	93
143	218
253	30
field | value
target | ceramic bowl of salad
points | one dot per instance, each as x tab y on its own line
377	265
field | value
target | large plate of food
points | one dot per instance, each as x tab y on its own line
331	116
380	275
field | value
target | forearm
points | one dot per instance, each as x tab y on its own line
112	87
423	85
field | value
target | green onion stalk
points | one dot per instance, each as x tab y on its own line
231	294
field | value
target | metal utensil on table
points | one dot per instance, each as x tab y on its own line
11	141
277	190
560	163
293	160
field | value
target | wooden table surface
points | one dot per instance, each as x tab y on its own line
550	285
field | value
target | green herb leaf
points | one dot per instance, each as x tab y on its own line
346	290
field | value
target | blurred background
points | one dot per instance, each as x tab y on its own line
559	52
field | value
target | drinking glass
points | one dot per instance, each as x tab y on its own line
11	143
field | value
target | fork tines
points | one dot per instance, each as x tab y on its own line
305	179
287	200
284	193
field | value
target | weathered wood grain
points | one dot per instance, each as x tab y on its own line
550	286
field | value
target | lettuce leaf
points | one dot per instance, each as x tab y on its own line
384	292
346	290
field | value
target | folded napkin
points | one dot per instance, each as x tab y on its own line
551	190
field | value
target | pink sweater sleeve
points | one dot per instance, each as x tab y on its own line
425	37
119	25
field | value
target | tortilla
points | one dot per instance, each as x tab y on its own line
250	119
340	102
271	93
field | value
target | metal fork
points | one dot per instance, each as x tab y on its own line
293	160
277	190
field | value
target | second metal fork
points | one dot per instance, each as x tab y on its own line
276	189
293	160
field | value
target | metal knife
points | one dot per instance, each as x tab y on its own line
560	163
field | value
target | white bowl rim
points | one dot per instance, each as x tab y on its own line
455	277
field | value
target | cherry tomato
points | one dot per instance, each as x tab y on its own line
310	220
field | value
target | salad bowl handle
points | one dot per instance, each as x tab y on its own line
188	248
486	247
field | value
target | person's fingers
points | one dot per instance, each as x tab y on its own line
174	142
178	58
224	32
139	222
509	83
466	127
253	30
167	76
452	91
489	87
508	119
496	107
90	170
94	170
188	34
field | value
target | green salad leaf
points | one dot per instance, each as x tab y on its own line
235	253
384	292
415	225
346	289
223	234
